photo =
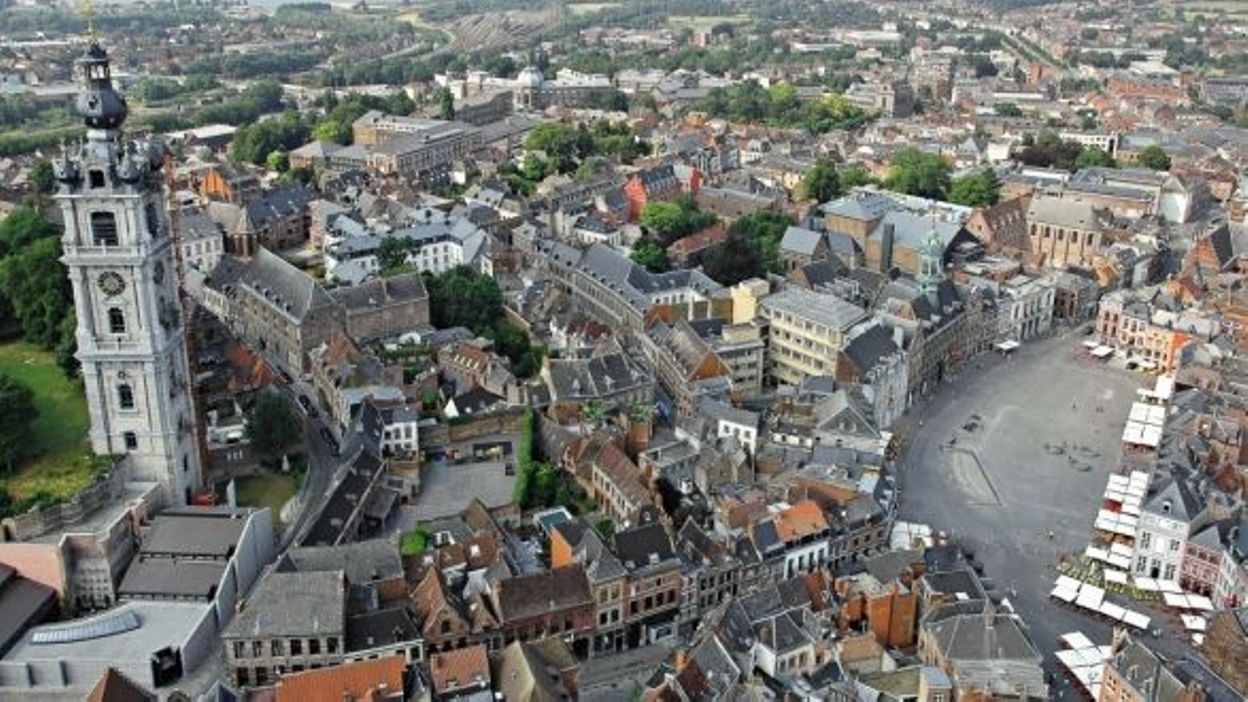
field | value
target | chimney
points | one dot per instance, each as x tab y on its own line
886	247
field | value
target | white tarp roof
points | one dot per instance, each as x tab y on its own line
1102	351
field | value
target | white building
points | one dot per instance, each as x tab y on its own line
1166	521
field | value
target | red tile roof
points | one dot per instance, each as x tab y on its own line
460	668
361	680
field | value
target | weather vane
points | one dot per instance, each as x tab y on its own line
88	11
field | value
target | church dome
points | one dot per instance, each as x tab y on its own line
530	77
99	103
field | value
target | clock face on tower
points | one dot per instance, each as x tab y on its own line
112	283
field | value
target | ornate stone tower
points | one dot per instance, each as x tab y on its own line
931	266
120	255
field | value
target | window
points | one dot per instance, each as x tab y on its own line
132	441
125	396
331	645
240	651
1145	539
241	675
153	220
296	647
116	321
314	647
257	649
1174	545
104	228
276	648
96	178
1169	572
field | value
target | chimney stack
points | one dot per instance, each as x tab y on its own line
886	247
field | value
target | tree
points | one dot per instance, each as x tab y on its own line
446	104
649	254
662	218
823	183
272	424
41	177
1007	109
976	190
392	254
35	286
277	161
917	173
23	227
17	412
734	260
1153	158
462	297
855	177
1095	156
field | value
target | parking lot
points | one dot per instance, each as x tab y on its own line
1012	449
452	475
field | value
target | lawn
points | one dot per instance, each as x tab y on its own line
61	462
270	490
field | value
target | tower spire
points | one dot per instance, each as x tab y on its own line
931	264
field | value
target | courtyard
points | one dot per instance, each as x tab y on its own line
1015	448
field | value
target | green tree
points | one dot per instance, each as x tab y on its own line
277	161
332	130
41	177
446	104
272	424
823	183
17	412
461	297
735	260
1095	156
392	254
855	177
663	218
1007	109
917	173
980	189
648	253
35	286
1153	158
23	227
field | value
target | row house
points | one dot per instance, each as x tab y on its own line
552	603
687	368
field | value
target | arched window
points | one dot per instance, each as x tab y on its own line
116	321
125	396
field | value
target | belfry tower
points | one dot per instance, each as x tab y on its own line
120	255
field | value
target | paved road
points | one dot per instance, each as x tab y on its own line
1000	488
323	465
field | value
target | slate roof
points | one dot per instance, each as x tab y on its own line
283	286
643	545
292	604
868	348
1069	214
800	240
361	562
572	378
400	288
1174	498
982	636
910	229
533	595
861	205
